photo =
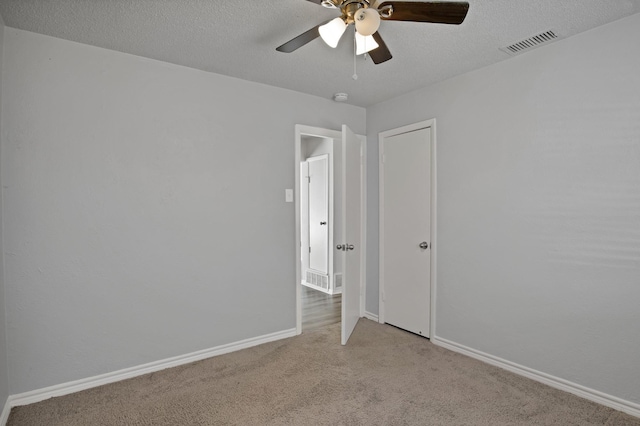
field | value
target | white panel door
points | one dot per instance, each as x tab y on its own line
319	213
351	214
406	233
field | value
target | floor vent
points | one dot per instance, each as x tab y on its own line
337	279
530	43
317	279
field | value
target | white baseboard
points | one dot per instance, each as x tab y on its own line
372	317
5	412
127	373
555	382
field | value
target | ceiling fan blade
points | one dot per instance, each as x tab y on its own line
381	53
436	12
301	40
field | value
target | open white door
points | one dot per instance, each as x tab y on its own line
351	220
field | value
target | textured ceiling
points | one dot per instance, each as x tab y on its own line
238	38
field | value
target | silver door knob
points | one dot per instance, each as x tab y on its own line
350	247
340	247
424	245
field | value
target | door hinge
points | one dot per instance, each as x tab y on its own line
382	158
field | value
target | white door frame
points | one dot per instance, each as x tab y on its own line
300	131
431	124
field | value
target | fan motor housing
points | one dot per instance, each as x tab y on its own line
349	9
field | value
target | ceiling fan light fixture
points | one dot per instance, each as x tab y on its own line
365	44
328	4
386	11
367	21
332	31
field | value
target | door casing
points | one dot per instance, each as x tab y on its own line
430	124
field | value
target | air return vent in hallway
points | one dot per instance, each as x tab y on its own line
337	280
530	43
318	279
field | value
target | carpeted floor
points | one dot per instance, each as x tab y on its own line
384	376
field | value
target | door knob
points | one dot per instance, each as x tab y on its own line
424	245
350	247
340	247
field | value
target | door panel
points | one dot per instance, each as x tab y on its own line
351	205
319	213
406	224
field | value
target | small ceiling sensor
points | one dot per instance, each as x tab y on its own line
340	97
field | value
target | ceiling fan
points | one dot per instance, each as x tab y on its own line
366	16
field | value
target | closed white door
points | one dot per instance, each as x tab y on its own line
405	240
352	221
318	180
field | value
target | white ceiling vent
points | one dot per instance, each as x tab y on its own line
530	43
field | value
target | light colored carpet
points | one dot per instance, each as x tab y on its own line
385	376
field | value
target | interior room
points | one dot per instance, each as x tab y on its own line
151	178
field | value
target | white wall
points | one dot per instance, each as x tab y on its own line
4	373
538	207
144	208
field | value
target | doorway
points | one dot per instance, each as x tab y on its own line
317	228
344	228
407	227
322	284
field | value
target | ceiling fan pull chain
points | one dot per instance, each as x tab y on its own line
355	69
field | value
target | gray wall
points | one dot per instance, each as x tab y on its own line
4	374
133	188
538	207
144	208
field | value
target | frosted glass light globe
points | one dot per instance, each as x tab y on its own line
367	21
332	31
365	44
